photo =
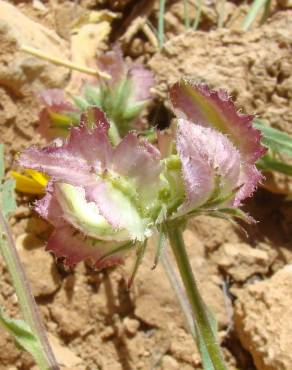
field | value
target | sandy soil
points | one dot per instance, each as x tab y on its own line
92	320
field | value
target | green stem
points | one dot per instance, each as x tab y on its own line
45	359
198	307
179	291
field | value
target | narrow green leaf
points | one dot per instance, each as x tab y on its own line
268	163
2	167
275	139
161	22
21	333
7	198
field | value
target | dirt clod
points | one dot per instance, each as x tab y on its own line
263	321
241	261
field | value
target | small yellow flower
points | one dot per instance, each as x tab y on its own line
33	182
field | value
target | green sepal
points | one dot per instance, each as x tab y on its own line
81	102
132	111
93	96
161	244
140	254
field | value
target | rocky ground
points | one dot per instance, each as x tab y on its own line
92	320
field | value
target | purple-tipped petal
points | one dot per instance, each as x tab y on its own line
142	81
203	106
207	156
74	247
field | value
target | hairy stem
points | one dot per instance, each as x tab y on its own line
203	324
45	360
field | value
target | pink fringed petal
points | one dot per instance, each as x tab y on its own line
74	247
206	155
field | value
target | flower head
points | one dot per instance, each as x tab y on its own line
99	198
122	98
103	199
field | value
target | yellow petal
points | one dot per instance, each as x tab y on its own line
26	184
39	177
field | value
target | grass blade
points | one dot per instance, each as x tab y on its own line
161	22
256	7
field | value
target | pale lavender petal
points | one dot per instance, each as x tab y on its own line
74	247
206	156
